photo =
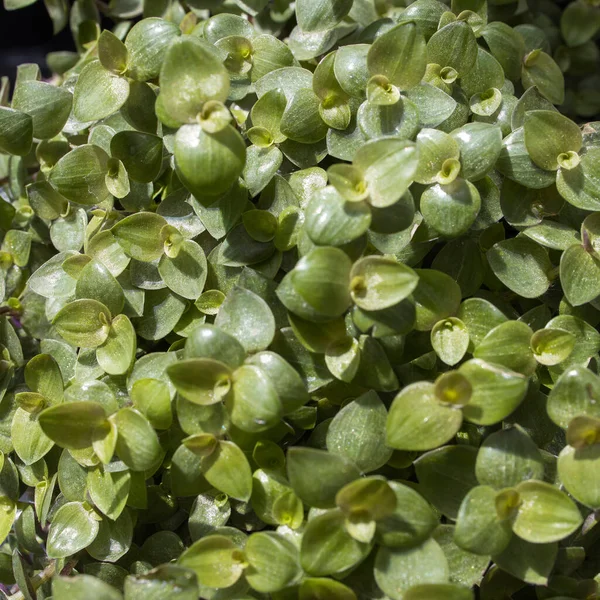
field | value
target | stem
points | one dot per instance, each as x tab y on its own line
37	580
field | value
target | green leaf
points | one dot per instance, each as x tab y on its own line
479	529
73	424
215	559
43	375
322	533
371	498
435	105
400	55
152	398
496	391
574	468
545	513
552	346
450	340
301	120
208	164
272	562
287	382
80	585
192	73
28	438
208	341
574	393
521	265
446	475
201	380
418	421
528	562
453	46
228	470
137	443
451	209
342	358
80	175
254	404
73	528
248	318
98	93
515	163
83	323
398	570
437	297
48	106
112	52
579	271
332	221
412	521
541	70
377	282
140	235
185	273
318	287
580	186
507	47
109	490
316	476
96	283
141	154
438	591
16	131
508	344
508	457
117	353
435	148
388	167
8	512
46	201
550	135
316	587
177	582
261	165
356	432
147	44
480	146
319	15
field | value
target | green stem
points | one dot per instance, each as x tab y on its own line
37	580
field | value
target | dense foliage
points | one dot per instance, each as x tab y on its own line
300	301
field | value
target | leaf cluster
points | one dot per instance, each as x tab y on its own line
301	301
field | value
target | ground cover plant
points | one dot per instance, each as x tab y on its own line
300	301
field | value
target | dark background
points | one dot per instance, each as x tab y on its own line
26	36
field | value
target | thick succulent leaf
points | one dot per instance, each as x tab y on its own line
496	391
191	74
479	529
320	15
208	164
98	93
545	514
419	421
80	175
400	55
521	265
16	131
398	570
548	135
72	529
48	106
334	471
453	46
367	415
